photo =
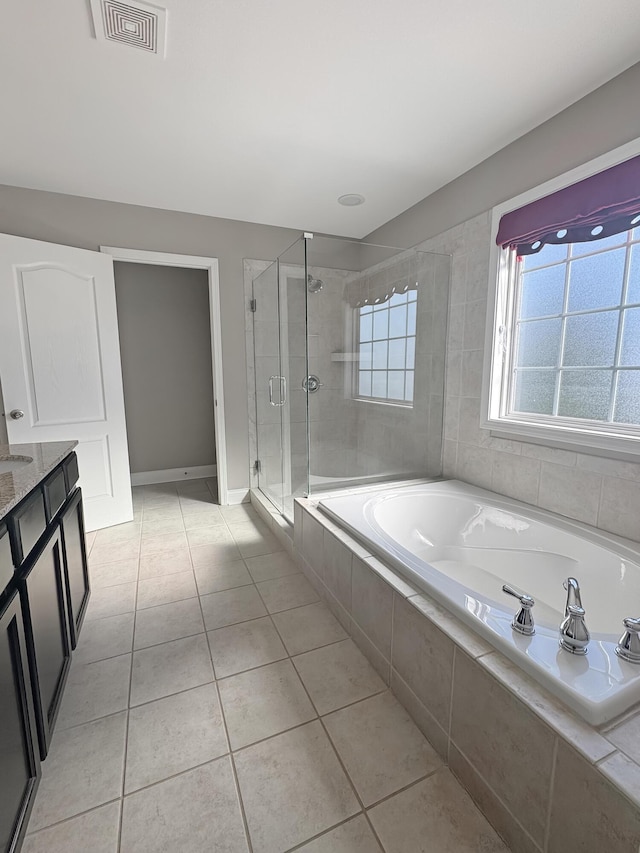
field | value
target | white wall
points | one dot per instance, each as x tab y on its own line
165	347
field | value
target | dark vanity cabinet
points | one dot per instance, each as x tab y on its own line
19	753
44	591
75	563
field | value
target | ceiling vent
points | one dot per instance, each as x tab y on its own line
141	25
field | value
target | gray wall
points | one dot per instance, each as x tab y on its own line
599	122
600	491
90	223
165	346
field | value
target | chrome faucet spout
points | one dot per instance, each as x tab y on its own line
573	594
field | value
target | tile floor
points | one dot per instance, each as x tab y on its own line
214	704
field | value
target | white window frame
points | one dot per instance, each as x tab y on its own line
565	433
385	401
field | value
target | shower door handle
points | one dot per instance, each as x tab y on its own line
283	390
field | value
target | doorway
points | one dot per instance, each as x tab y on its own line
169	323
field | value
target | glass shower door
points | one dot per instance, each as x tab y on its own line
271	386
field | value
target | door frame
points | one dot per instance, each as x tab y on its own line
169	259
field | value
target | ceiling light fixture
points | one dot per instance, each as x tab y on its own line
351	199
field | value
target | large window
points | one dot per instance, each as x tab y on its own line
386	336
576	351
564	363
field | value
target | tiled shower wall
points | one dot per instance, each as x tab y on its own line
593	489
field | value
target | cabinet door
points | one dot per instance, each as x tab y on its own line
75	563
18	747
44	602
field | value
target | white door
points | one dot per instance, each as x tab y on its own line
60	364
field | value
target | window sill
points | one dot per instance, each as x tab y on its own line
390	403
610	446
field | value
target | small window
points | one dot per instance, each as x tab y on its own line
386	345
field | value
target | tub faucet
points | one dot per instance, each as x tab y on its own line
523	620
574	634
573	594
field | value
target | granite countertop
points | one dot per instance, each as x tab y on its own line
16	485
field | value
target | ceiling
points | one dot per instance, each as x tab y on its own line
268	110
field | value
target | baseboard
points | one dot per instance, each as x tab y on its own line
238	496
172	475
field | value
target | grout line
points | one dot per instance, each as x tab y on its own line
126	733
223	718
554	762
497	797
74	816
453	681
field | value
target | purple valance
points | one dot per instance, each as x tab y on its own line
604	204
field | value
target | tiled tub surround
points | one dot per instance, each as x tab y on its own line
216	704
460	544
545	779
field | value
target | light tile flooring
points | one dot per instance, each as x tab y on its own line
214	704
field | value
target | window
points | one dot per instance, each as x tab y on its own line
576	351
386	345
565	361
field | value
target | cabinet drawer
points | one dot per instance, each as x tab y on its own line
6	561
71	471
27	524
55	492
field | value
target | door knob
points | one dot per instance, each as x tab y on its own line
16	414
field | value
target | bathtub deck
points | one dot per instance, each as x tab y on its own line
214	698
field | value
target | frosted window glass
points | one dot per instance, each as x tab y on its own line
398	322
413	295
542	292
397	354
633	291
539	342
408	386
411	353
585	394
627	409
364	383
549	254
596	282
590	339
596	245
630	353
366	327
396	385
365	356
534	391
379	383
380	355
380	324
411	318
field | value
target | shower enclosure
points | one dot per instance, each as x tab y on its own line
349	355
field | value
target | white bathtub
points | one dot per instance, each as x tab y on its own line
460	544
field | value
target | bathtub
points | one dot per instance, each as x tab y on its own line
459	544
